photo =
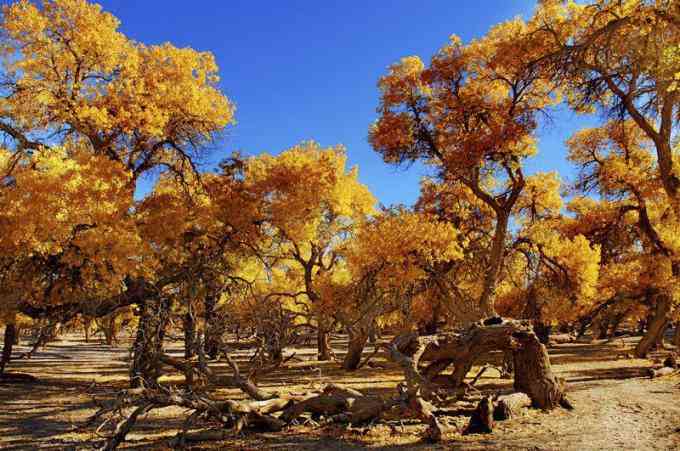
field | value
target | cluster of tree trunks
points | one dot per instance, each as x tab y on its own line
416	397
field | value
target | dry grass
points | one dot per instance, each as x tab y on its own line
617	406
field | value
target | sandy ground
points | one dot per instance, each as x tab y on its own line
617	406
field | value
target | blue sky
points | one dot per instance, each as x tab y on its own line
300	70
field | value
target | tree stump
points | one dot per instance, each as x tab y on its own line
482	419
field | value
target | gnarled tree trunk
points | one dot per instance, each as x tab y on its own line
656	326
148	346
355	348
533	373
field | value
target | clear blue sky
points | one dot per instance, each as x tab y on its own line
300	70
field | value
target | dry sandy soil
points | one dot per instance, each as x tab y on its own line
617	406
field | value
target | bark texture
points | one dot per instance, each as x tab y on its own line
656	326
533	373
148	345
355	349
323	343
213	327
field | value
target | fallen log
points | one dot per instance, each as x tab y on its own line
558	339
660	372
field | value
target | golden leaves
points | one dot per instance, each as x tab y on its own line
65	218
69	66
309	193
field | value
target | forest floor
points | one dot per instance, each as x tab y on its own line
617	406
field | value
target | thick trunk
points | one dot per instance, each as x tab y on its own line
676	337
533	312
148	345
655	326
486	300
533	373
355	348
323	345
8	344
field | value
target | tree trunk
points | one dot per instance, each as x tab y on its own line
148	345
481	421
110	331
431	326
486	300
533	373
669	177
189	334
355	348
8	344
189	324
533	312
87	323
323	345
542	332
659	344
213	328
602	328
655	326
615	324
676	337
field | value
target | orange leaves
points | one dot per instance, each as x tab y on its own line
403	84
394	134
470	113
54	191
387	263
